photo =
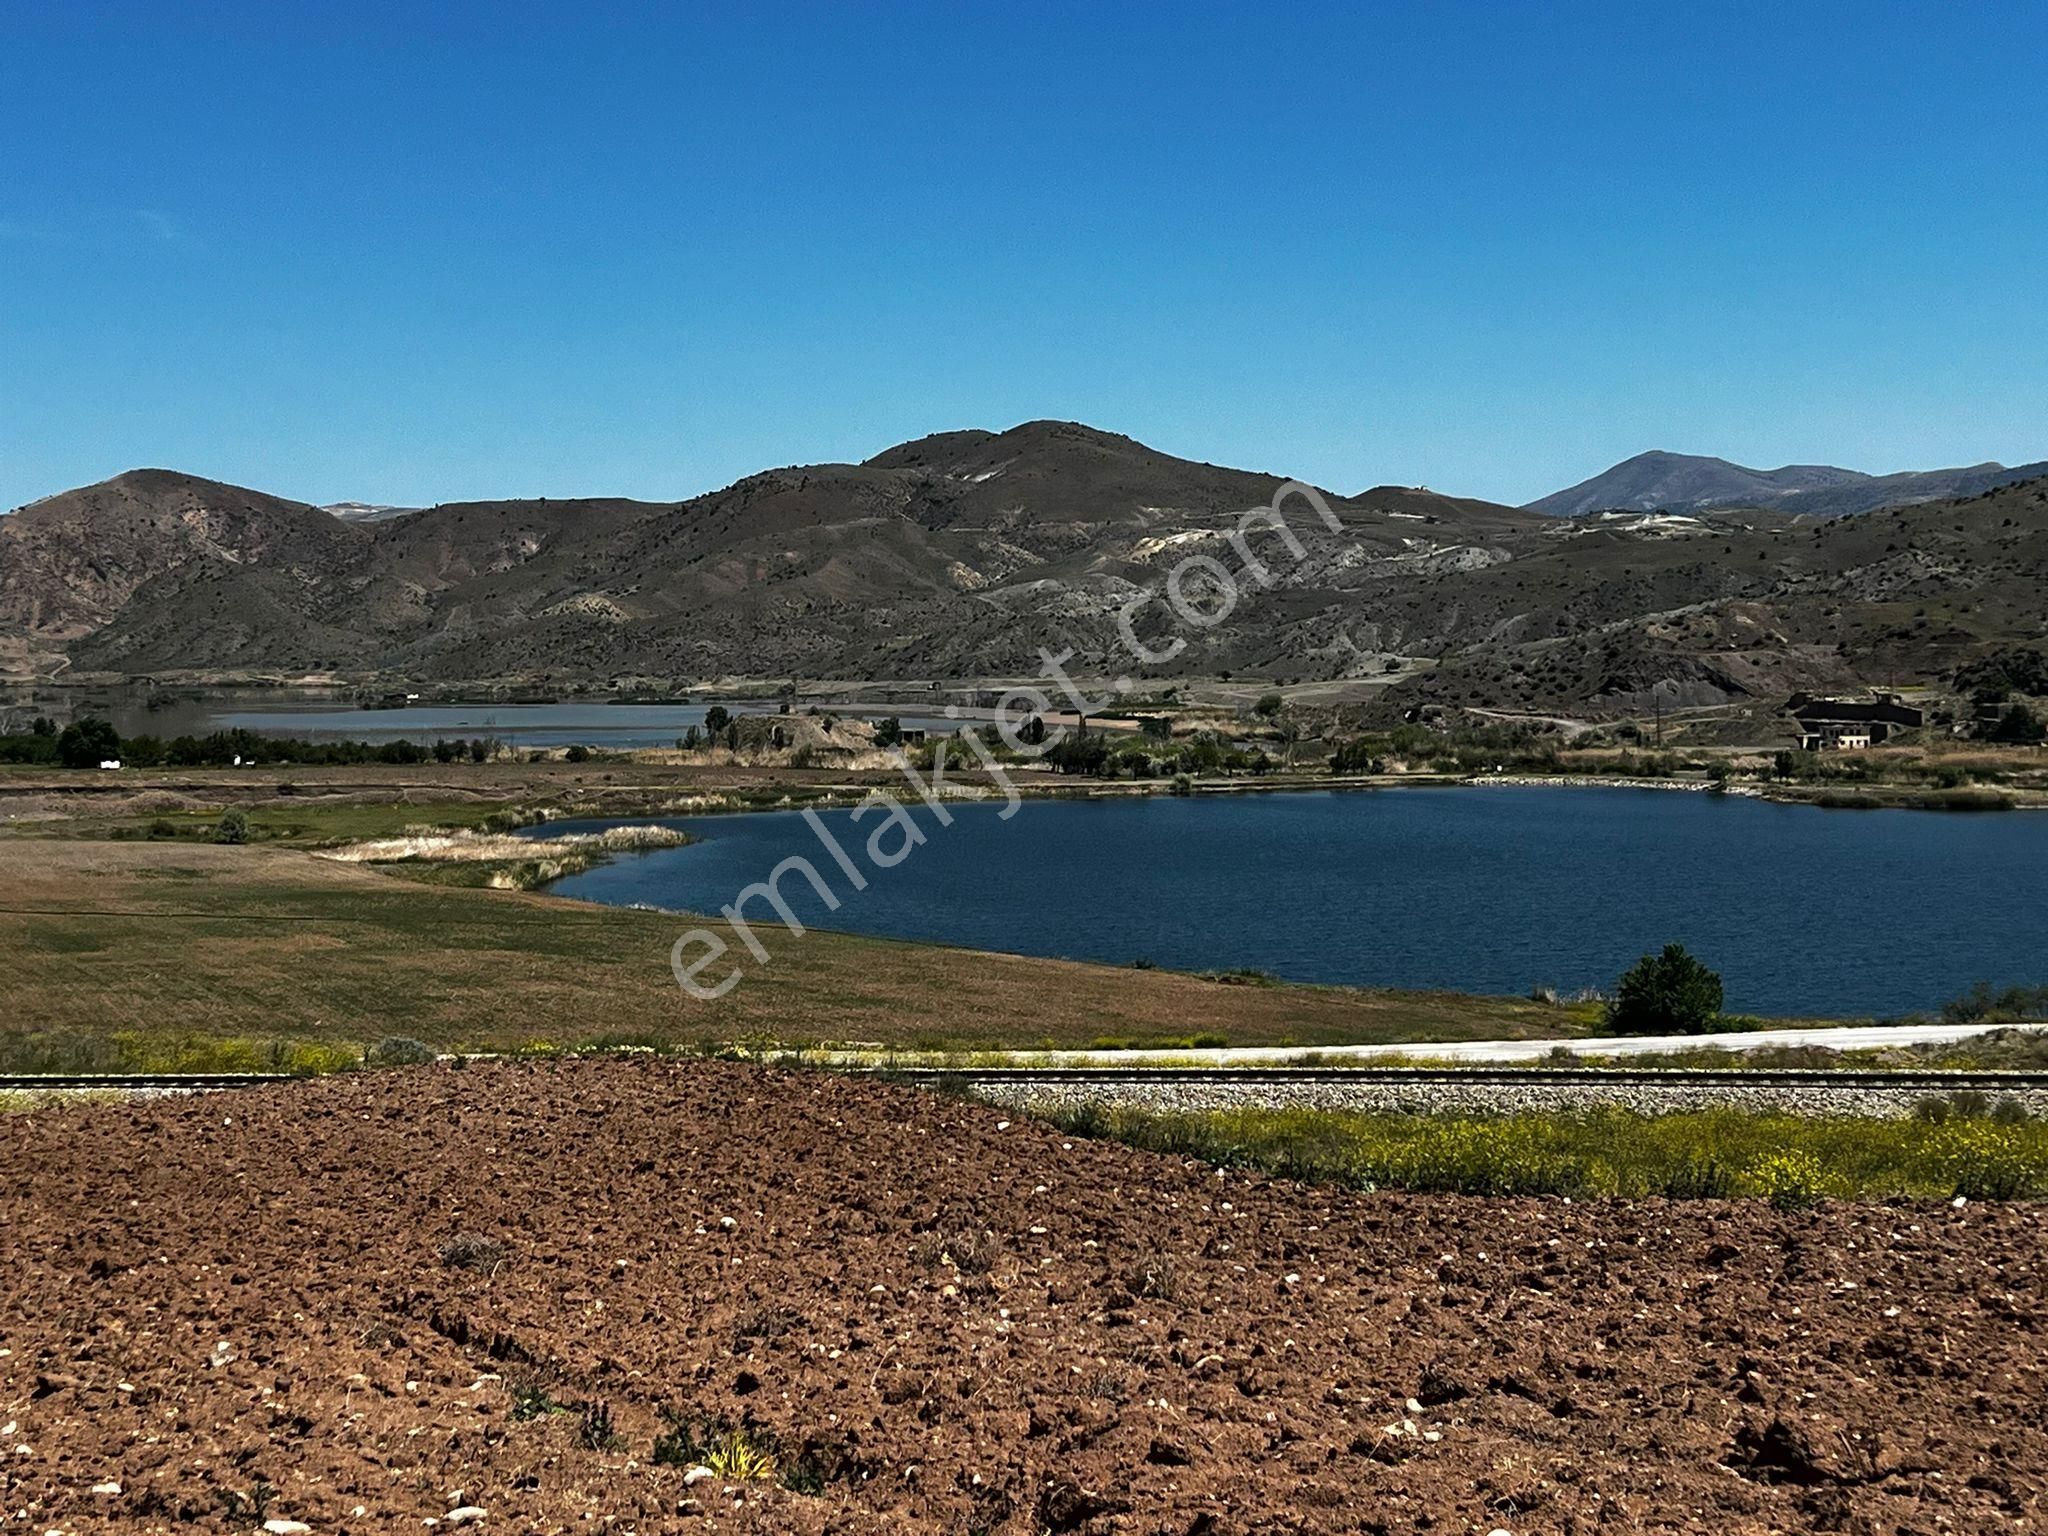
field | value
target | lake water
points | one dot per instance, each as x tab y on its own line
594	723
1802	910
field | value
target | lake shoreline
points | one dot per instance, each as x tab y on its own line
1507	892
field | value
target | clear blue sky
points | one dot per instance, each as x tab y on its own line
424	253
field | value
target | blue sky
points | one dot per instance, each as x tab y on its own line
423	253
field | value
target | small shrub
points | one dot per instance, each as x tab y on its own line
596	1433
739	1459
470	1250
1984	1162
1970	1103
1088	1119
1933	1110
679	1445
2009	1111
727	1450
232	828
1792	1179
1700	1177
398	1051
803	1474
531	1400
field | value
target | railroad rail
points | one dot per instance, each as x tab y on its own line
1647	1077
137	1082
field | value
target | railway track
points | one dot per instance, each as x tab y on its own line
1646	1077
1508	1076
136	1082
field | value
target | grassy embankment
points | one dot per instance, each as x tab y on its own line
1790	1160
134	955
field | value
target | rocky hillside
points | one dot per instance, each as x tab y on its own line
74	563
961	555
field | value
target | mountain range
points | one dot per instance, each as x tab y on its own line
962	555
1686	482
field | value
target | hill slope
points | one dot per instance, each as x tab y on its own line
1690	483
965	554
72	563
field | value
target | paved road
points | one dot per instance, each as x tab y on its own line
1840	1037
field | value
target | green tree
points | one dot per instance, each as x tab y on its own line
1356	756
233	827
715	718
87	744
1270	704
2020	726
1665	994
888	732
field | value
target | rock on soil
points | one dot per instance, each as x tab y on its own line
237	1309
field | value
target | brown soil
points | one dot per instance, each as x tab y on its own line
956	1322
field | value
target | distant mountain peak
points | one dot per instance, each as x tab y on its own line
1661	480
366	511
1041	436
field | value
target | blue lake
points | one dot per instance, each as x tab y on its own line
1802	910
592	722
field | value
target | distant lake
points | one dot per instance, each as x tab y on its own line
1802	910
592	722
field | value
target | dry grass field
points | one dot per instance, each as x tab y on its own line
183	941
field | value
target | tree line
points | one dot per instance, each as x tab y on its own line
90	742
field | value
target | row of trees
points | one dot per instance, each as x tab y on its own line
1097	755
1985	1003
88	743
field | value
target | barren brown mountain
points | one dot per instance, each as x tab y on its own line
963	554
